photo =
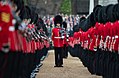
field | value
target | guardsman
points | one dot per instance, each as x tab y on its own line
101	43
6	29
92	39
71	40
65	41
5	26
76	40
107	36
58	41
116	41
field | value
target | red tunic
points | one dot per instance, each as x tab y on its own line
76	37
24	45
116	41
56	37
71	40
93	39
33	46
5	23
65	42
79	35
28	47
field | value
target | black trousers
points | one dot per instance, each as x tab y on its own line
3	63
58	56
65	51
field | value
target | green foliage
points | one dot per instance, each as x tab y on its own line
25	2
66	7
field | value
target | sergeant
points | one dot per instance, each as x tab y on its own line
58	41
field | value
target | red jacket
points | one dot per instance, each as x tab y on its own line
56	37
71	41
24	45
33	46
93	39
5	23
29	47
116	41
65	42
13	41
76	37
79	34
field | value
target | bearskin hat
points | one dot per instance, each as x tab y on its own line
76	28
96	12
110	13
24	14
82	18
58	19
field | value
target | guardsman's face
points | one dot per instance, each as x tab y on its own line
13	7
58	24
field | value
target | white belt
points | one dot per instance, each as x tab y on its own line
13	21
11	28
116	36
112	37
57	37
108	36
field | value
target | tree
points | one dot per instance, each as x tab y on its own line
66	7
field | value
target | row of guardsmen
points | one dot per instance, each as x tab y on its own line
21	48
98	48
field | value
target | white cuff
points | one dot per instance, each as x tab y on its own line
13	21
11	28
62	36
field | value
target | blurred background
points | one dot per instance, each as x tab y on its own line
51	7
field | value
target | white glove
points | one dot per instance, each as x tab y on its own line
62	37
6	48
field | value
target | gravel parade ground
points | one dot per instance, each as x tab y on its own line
73	68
